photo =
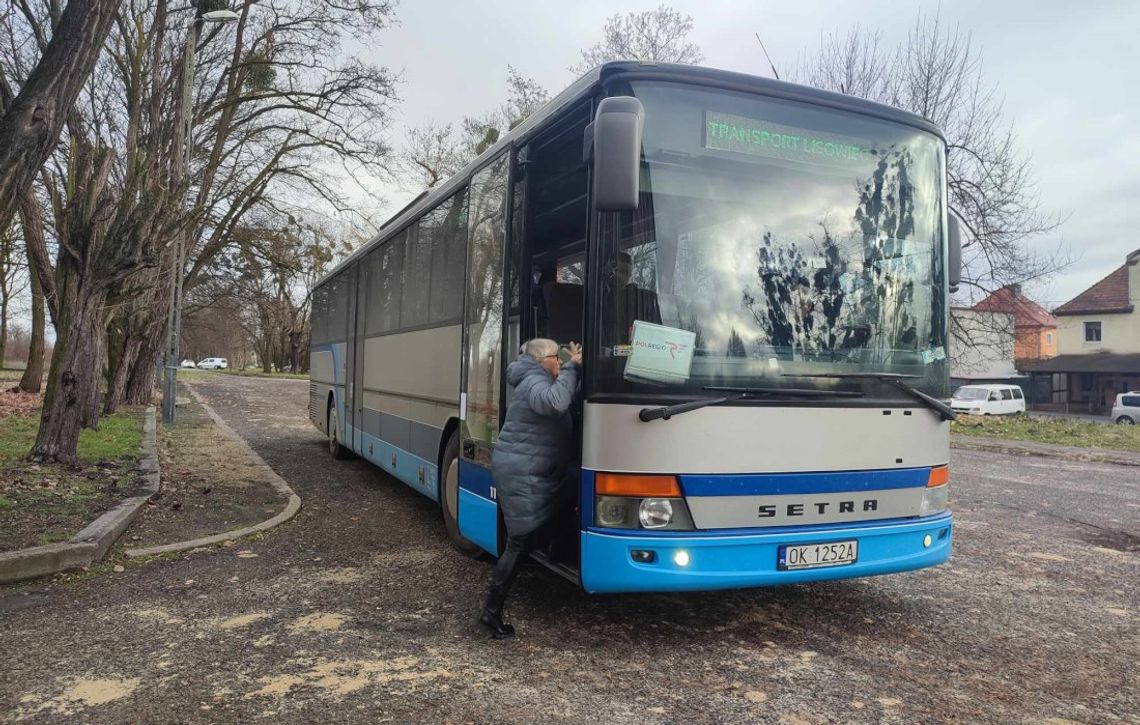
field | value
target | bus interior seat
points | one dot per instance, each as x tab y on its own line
564	306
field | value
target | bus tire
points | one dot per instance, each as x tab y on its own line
449	499
336	450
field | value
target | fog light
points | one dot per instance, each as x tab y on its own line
643	556
681	558
927	541
655	513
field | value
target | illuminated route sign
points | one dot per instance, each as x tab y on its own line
726	132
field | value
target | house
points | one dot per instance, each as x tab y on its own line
981	347
1034	329
1098	343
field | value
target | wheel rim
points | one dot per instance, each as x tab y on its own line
332	435
452	489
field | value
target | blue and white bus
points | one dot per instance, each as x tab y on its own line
759	273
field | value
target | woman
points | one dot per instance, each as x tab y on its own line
531	459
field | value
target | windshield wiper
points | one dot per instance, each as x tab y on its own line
945	412
666	412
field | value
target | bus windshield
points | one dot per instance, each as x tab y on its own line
773	240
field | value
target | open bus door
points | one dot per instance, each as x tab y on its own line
481	379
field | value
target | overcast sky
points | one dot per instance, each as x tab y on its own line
1067	73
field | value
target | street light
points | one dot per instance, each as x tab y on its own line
186	122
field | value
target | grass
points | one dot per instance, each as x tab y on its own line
43	504
7	374
258	373
1059	431
119	436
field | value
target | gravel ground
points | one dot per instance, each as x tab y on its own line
358	609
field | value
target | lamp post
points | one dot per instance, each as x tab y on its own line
185	124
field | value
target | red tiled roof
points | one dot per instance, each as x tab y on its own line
1026	312
1108	295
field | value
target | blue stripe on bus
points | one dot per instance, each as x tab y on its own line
479	521
407	467
475	478
773	484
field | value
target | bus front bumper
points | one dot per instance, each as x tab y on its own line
750	559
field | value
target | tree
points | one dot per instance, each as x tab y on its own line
937	73
659	35
435	152
34	117
735	345
12	281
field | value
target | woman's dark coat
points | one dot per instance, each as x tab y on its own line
535	446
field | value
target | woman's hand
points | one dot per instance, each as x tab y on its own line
575	352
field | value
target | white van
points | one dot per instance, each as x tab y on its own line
213	363
1127	408
988	400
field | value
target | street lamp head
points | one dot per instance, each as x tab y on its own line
219	16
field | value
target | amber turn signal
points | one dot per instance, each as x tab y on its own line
632	484
938	476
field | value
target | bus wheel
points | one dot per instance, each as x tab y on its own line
449	499
337	451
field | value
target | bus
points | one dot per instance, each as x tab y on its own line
759	273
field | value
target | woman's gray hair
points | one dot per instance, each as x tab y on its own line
539	348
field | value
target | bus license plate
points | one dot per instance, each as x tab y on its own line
814	556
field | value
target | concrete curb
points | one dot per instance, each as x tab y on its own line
274	480
1044	450
91	544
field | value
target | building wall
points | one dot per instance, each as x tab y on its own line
1119	333
981	345
1035	343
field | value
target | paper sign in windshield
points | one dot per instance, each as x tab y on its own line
659	353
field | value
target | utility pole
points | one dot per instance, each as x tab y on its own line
186	127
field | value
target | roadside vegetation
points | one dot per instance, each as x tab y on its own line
48	503
1059	431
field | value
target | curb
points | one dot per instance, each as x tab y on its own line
274	480
1087	455
91	544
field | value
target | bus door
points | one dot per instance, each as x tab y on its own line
354	398
483	343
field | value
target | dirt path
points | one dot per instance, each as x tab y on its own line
358	609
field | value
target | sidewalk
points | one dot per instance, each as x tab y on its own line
1086	417
1047	450
212	484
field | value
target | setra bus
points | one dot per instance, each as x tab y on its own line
759	274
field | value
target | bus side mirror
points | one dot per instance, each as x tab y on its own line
614	141
954	251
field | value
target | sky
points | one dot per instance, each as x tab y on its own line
1065	72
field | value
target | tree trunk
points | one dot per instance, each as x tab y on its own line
140	383
30	126
3	326
33	377
121	368
73	372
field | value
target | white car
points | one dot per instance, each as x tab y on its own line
188	364
1127	408
213	363
988	400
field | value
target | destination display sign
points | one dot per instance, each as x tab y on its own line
728	132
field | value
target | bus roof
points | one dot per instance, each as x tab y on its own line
641	70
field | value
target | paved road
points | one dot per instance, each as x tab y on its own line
359	609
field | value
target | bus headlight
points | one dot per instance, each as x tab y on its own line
935	500
613	511
655	513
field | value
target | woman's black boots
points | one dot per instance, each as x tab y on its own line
492	617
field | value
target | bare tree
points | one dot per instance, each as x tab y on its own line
937	73
33	117
659	35
12	281
435	152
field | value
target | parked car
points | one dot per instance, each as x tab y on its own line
1127	408
988	400
213	363
188	364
